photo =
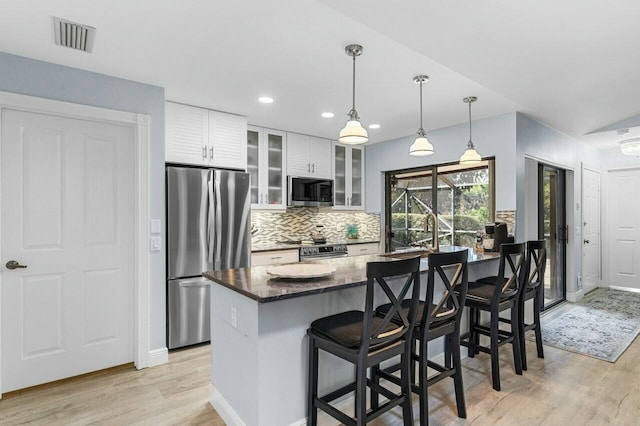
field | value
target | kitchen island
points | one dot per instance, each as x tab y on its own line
258	335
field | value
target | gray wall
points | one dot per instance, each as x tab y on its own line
493	136
46	80
542	143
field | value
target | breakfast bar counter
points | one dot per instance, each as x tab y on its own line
258	335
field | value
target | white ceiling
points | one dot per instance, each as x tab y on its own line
572	64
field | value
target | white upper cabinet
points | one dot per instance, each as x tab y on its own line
206	138
348	177
186	134
266	163
308	156
227	140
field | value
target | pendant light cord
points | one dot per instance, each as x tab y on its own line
421	83
353	100
353	114
470	142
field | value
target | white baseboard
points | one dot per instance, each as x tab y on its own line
158	357
575	297
631	289
224	409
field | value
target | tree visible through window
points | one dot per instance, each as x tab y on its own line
463	197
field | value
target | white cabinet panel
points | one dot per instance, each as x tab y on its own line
227	140
360	249
265	258
205	138
320	157
308	156
186	134
298	163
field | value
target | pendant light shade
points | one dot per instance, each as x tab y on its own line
470	155
421	147
353	133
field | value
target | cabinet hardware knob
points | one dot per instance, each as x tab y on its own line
204	152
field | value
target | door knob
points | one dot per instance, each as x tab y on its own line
12	264
586	241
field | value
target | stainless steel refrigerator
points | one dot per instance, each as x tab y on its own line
208	228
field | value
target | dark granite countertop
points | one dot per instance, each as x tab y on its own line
256	248
256	284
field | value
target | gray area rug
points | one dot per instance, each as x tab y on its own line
602	325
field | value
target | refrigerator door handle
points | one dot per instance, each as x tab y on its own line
211	219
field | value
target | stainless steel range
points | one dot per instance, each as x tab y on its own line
323	251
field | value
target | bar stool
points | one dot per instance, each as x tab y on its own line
494	295
533	289
441	319
367	340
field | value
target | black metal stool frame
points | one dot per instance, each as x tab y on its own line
506	294
533	289
375	346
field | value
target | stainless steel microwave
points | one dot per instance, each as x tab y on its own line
312	192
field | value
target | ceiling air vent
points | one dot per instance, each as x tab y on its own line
74	35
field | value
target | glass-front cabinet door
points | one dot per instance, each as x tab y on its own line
355	199
266	166
348	177
340	176
253	163
275	168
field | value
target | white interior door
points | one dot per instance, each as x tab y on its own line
68	215
623	206
591	252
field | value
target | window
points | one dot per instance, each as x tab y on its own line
464	197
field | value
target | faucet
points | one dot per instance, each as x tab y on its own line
434	232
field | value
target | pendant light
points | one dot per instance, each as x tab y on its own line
353	133
421	146
470	155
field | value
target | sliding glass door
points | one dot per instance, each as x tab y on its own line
552	228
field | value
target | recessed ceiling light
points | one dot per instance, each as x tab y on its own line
374	126
265	100
327	114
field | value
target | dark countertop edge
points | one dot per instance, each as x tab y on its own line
284	296
279	247
309	292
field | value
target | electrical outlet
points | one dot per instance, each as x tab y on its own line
363	228
234	317
339	228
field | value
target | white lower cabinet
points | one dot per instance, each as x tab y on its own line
360	249
275	257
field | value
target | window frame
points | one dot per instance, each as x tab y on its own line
433	169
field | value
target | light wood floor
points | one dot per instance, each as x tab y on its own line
562	389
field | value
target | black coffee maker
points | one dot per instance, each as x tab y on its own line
497	231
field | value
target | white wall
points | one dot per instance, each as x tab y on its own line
46	80
494	136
